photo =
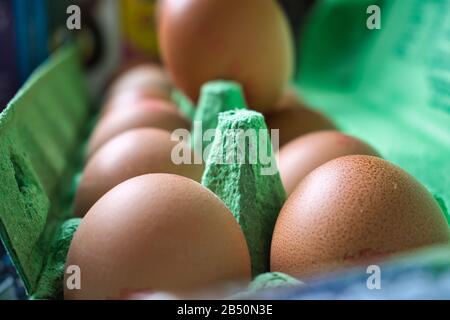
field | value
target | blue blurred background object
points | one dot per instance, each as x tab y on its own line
9	81
421	275
11	287
24	43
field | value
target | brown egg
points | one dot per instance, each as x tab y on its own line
124	99
130	154
145	76
244	41
304	154
295	121
354	210
147	113
157	232
288	99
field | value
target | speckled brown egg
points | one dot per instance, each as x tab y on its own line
157	232
144	76
354	210
302	155
146	113
296	120
245	41
130	154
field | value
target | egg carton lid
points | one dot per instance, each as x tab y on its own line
387	85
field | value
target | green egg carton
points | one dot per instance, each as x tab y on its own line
40	134
43	131
370	82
